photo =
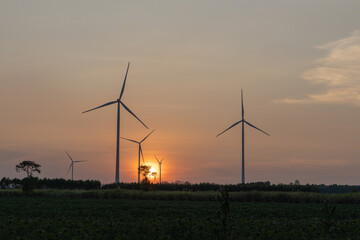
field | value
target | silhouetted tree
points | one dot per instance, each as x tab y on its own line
29	183
144	171
154	175
29	167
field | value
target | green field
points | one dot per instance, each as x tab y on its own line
62	217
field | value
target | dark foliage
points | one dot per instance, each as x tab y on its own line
29	167
57	183
29	184
334	188
186	186
224	213
30	218
60	183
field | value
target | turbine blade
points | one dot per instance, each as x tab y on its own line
156	159
69	168
127	109
256	128
69	156
161	160
142	155
229	127
129	140
106	104
242	104
147	136
81	161
123	86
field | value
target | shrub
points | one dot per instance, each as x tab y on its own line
29	184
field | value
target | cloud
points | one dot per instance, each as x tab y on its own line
338	71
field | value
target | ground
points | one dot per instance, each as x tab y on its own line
24	217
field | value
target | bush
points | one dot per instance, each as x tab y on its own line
29	184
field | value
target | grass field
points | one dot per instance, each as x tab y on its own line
62	217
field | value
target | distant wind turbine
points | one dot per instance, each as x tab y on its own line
160	162
242	121
140	151
72	165
119	102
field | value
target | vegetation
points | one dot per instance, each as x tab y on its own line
29	183
60	183
255	186
186	186
329	220
223	215
253	196
145	172
29	167
73	218
57	183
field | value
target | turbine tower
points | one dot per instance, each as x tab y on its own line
140	151
72	165
160	162
242	121
119	102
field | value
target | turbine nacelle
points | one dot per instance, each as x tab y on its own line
159	161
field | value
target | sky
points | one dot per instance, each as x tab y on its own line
298	63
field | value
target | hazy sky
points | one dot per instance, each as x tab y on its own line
297	61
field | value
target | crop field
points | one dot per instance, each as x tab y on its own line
248	196
23	217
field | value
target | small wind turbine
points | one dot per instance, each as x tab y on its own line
160	162
242	121
119	102
140	151
72	165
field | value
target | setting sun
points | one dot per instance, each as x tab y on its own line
152	169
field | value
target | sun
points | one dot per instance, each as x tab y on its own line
152	174
152	169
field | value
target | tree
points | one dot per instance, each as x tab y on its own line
29	167
153	175
145	171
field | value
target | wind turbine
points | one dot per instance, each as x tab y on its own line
72	165
140	151
160	162
242	121
119	102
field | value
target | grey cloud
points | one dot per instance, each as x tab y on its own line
338	71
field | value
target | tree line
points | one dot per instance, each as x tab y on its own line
193	187
60	183
56	183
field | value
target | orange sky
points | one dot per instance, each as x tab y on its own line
298	64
